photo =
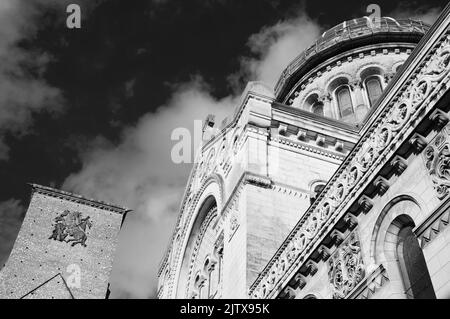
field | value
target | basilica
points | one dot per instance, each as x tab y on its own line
335	184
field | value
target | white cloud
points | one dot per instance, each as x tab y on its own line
276	46
139	173
21	92
424	13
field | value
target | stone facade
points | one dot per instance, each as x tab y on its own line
319	190
64	249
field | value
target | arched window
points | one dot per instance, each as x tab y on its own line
219	273
374	89
344	100
413	267
317	108
200	281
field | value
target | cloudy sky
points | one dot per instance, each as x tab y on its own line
92	110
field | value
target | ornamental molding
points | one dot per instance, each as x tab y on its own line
257	180
307	147
373	64
187	209
71	197
210	217
417	89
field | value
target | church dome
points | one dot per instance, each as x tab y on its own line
343	73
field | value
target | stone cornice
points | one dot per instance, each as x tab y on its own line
309	148
309	116
48	191
423	82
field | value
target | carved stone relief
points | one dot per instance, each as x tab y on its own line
71	227
345	267
437	161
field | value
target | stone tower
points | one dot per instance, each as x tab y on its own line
64	249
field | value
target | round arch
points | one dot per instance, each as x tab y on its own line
400	205
210	194
396	247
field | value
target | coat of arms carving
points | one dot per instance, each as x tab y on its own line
70	227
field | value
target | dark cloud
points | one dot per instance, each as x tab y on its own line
11	216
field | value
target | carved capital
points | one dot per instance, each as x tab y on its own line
324	98
388	77
356	83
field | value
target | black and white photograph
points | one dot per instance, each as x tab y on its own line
203	150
